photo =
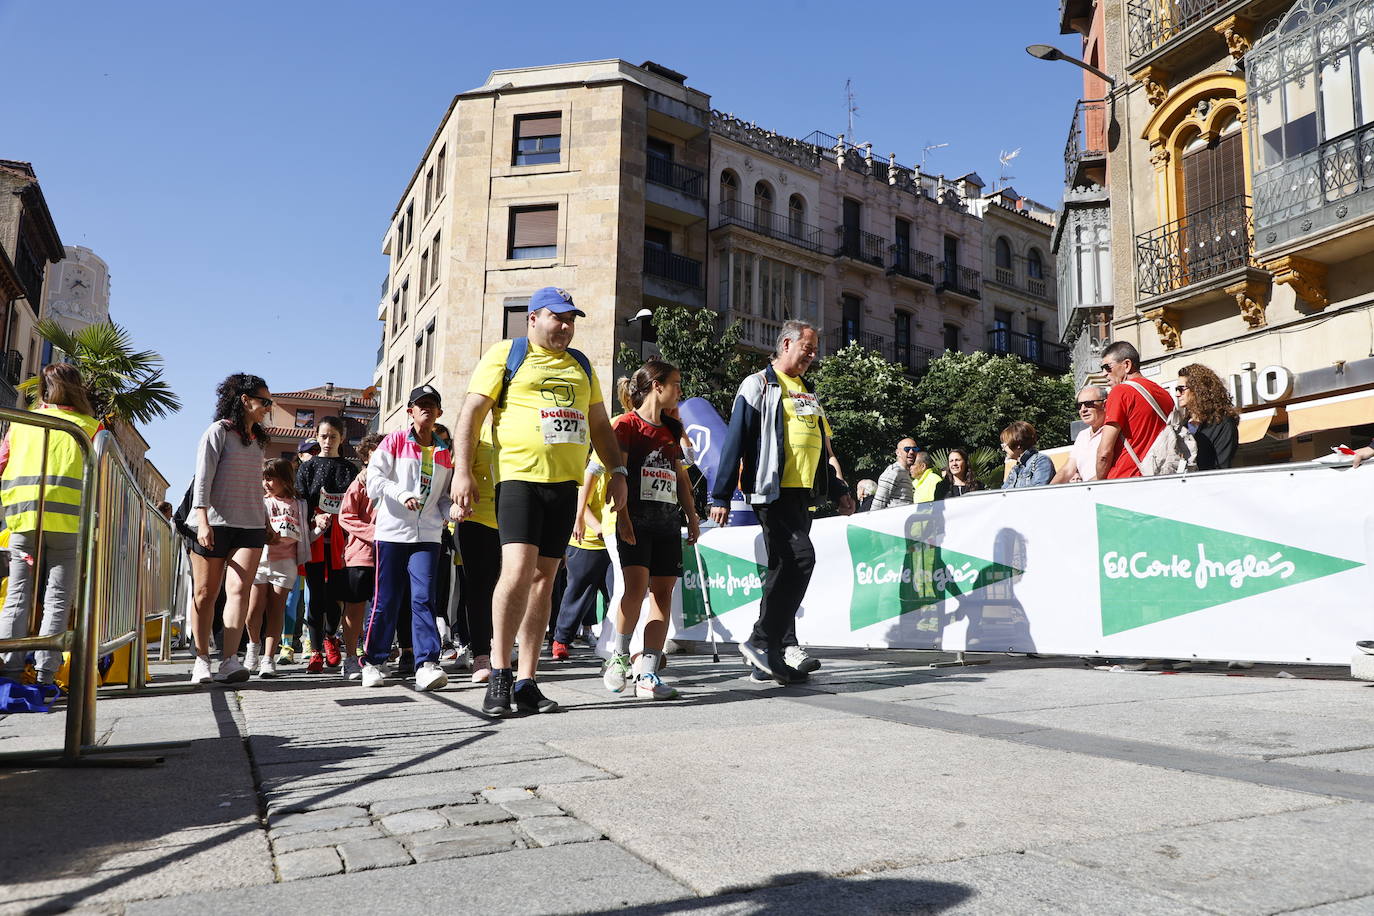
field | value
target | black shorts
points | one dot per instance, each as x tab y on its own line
536	513
359	583
660	553
227	540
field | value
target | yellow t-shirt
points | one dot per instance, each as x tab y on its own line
484	513
542	434
801	433
596	506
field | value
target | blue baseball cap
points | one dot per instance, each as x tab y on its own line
555	300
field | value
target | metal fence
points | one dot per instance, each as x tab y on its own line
1202	245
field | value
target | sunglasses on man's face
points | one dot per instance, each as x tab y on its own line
911	448
1088	404
1106	367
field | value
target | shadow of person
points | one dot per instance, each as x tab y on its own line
996	619
918	623
802	893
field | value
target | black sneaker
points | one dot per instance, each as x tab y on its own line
759	676
497	702
529	699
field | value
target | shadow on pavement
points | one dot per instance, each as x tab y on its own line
801	893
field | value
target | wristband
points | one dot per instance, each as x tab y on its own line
620	469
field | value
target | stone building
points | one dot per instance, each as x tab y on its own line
78	290
295	414
1236	144
30	242
1018	281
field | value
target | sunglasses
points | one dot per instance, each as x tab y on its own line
1106	367
266	402
911	448
1088	404
1180	389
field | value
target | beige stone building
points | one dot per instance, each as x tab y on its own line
1018	282
1237	143
78	290
30	242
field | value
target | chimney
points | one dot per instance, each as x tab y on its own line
329	389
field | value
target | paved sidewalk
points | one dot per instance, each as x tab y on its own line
1024	785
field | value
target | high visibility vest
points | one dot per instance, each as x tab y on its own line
20	484
924	487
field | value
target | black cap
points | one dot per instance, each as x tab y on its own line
425	391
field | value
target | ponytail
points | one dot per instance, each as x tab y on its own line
633	391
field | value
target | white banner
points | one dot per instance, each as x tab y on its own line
1268	564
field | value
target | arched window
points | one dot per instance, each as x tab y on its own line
796	215
1003	252
729	185
1035	265
763	200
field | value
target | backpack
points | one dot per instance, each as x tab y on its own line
519	349
1174	450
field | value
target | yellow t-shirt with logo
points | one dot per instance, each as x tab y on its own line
484	513
596	506
802	432
542	434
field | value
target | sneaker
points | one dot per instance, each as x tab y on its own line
231	671
560	651
649	687
763	659
267	668
529	699
759	676
373	675
332	655
1366	646
796	657
430	677
497	702
588	637
462	657
449	655
352	669
616	673
481	669
405	665
316	663
200	672
251	656
287	656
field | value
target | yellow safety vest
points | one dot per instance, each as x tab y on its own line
924	487
19	486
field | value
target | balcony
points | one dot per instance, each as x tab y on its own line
659	262
1199	247
910	357
673	193
381	353
1037	287
917	265
773	225
864	247
1151	24
1313	193
1035	350
1087	143
961	281
681	178
757	332
386	285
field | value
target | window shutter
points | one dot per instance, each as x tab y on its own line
540	126
534	228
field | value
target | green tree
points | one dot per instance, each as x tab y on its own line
711	364
870	403
968	399
124	383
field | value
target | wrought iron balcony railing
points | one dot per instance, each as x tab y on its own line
862	246
962	280
1043	353
1152	23
909	356
1336	171
914	264
1196	248
659	262
690	181
773	225
1087	136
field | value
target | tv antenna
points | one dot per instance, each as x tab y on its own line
849	107
927	150
1005	158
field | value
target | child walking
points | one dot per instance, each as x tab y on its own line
322	482
408	480
360	558
288	546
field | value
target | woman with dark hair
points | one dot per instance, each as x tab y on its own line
229	518
649	531
1212	418
40	486
1030	468
959	474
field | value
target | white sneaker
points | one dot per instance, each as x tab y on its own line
649	687
373	676
796	657
251	656
267	668
352	668
617	673
231	671
200	672
430	677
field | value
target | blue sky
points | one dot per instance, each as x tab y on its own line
236	164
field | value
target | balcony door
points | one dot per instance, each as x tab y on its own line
1213	237
1001	331
853	210
850	309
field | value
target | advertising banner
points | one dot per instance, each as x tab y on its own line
1270	564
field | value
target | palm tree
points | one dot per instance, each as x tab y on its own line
124	384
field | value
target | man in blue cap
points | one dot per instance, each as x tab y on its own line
547	408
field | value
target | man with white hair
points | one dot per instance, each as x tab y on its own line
1082	463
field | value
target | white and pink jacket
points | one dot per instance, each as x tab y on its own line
394	475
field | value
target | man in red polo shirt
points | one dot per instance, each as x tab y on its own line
1130	418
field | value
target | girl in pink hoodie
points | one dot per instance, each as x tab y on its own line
357	516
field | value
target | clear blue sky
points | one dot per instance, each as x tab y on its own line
236	164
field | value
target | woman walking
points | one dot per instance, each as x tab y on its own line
229	518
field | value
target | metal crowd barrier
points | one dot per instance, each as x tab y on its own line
130	568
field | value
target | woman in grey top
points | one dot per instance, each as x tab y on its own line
229	518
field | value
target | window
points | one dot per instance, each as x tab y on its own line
391	386
405	301
419	359
763	201
659	148
434	259
429	348
398	248
660	239
538	138
395	313
400	377
1001	330
517	318
952	337
851	308
440	164
429	190
424	271
951	255
1035	266
729	186
1003	253
1212	171
410	222
533	232
796	216
901	338
901	231
1035	337
305	419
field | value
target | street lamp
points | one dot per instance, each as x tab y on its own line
1050	52
642	317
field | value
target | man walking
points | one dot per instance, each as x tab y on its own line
1082	462
894	485
1131	424
779	441
548	405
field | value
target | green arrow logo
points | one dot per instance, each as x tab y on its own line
733	581
895	575
1151	568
